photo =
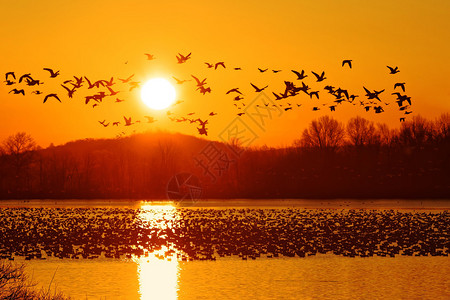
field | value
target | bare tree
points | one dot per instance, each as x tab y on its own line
324	133
385	134
442	127
361	132
416	132
20	148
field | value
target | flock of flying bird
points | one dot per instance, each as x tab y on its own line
105	88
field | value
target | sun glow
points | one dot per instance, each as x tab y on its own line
158	93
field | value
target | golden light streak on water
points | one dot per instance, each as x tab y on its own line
158	271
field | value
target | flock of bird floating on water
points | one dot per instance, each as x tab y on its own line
206	234
340	95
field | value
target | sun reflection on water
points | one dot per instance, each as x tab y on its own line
158	270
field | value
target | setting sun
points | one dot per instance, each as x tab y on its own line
158	93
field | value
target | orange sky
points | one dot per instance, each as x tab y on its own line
97	38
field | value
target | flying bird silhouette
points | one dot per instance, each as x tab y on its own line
257	89
69	91
301	75
127	79
209	65
348	62
51	96
53	74
401	85
127	121
149	56
221	63
16	91
393	70
262	70
180	81
10	74
25	76
103	123
182	59
235	90
315	93
204	90
319	77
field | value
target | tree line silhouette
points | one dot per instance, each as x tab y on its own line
359	159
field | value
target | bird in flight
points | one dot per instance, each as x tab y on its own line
373	95
262	70
300	75
16	91
10	74
209	65
315	93
180	81
103	123
348	62
276	71
78	83
150	56
51	96
199	83
127	121
235	90
212	113
134	85
393	70
220	63
204	90
401	85
25	76
119	100
182	59
69	91
53	74
127	79
321	77
257	89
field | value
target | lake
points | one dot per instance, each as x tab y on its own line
235	249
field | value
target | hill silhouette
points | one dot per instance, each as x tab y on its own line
406	163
